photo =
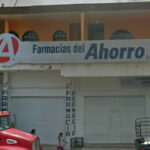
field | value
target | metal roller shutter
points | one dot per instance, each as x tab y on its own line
111	119
46	115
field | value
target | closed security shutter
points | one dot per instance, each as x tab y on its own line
46	115
112	119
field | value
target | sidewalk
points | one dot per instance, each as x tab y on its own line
54	148
46	147
98	147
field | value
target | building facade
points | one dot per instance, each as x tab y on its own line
96	92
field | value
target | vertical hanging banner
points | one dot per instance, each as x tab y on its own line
5	96
70	111
73	110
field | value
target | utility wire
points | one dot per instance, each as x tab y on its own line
15	3
10	3
19	2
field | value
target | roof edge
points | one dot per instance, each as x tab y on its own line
74	8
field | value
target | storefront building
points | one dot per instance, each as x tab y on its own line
78	69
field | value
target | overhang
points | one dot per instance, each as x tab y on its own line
7	11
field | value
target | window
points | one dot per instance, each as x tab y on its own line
95	31
59	36
121	34
30	36
14	33
75	32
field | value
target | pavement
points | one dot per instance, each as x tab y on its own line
98	147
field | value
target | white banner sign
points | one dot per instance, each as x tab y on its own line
13	51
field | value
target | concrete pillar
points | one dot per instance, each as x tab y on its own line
71	105
82	26
80	115
6	26
79	111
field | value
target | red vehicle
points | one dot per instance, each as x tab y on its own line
14	139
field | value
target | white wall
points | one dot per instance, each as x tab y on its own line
44	84
122	69
36	83
106	69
